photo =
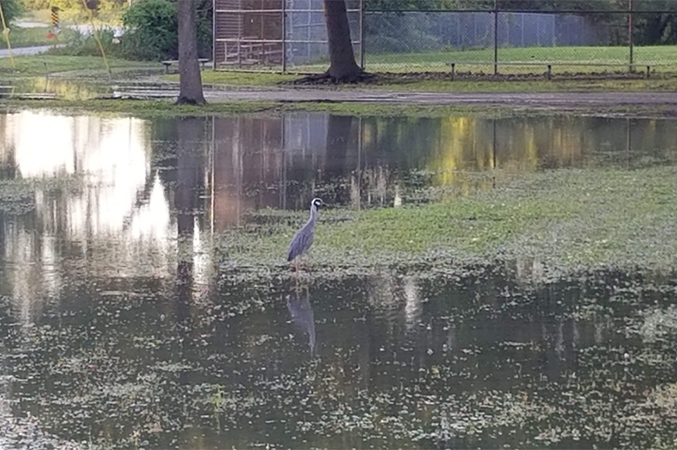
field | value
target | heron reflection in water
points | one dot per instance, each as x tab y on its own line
302	316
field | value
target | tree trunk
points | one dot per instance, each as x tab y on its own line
190	80
342	65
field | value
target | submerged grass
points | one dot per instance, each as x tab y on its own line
568	219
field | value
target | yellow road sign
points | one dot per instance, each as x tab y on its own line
55	16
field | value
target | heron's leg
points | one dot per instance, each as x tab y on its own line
296	271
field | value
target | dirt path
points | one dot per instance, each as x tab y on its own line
551	100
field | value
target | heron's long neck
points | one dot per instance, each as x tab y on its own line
313	214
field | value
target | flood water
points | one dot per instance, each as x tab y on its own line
119	328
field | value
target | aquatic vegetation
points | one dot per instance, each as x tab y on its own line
478	360
567	219
17	196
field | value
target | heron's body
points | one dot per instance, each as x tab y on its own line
303	238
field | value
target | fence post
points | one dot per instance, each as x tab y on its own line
284	36
630	38
214	44
495	37
362	34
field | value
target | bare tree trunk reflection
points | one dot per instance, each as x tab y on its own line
2	242
338	136
186	197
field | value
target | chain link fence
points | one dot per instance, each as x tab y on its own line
511	37
478	36
280	35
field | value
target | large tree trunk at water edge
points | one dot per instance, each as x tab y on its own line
190	80
341	56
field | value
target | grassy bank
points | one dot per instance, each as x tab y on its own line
435	84
139	108
568	219
166	107
74	67
93	69
156	108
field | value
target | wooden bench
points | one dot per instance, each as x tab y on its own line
548	65
250	53
171	62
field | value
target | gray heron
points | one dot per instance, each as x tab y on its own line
303	238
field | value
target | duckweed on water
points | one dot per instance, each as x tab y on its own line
475	361
17	196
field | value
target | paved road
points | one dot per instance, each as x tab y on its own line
548	100
451	98
22	51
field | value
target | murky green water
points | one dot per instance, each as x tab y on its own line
120	328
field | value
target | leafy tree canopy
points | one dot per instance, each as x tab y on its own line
11	9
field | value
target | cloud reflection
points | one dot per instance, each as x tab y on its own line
119	201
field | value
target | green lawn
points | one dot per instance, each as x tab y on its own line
29	37
239	78
236	78
666	56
